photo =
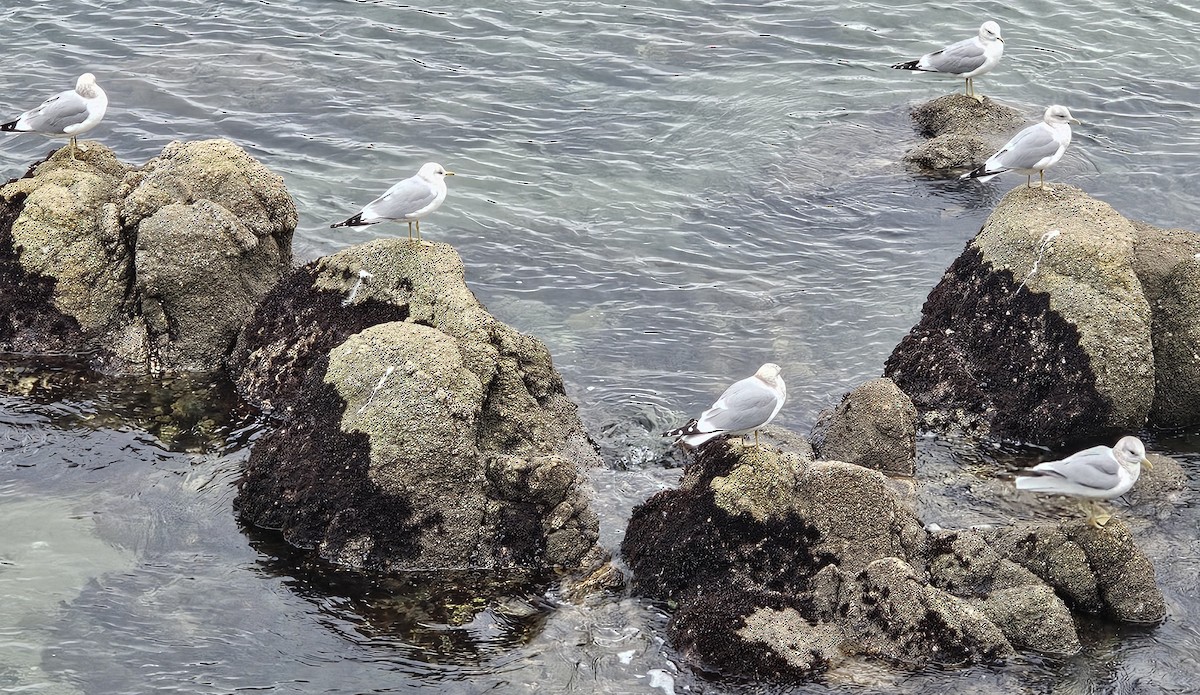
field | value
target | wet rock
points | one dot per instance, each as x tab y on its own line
150	269
1016	600
874	426
896	615
1039	331
418	431
1166	264
962	132
1160	483
775	563
782	568
1097	570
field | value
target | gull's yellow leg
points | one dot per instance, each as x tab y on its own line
73	149
1042	178
418	231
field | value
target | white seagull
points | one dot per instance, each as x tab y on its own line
744	407
407	201
1032	150
967	58
66	114
1098	473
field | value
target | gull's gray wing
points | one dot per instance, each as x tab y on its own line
745	405
1094	468
1027	148
56	114
964	56
401	200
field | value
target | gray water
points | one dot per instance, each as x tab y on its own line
668	194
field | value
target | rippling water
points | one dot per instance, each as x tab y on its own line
668	194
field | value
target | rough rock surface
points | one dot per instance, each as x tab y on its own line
875	426
1166	264
1094	570
783	568
149	269
962	132
1040	330
418	431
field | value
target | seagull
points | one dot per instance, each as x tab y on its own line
1033	149
66	114
407	201
967	58
1098	473
744	407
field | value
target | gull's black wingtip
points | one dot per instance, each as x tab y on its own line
910	65
10	126
352	222
692	427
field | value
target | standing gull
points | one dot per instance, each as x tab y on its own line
744	407
407	201
66	114
1032	150
967	58
1099	473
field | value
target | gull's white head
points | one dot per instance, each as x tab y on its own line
1059	114
990	31
769	372
85	86
1131	454
433	172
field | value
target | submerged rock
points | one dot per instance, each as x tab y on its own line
962	132
418	431
782	568
1041	330
150	269
874	426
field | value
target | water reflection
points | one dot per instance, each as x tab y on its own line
467	618
182	413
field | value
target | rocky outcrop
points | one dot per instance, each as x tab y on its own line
782	568
1095	570
1041	330
1166	263
150	269
417	431
962	132
875	426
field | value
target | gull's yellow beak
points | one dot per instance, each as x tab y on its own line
449	173
1146	463
1076	121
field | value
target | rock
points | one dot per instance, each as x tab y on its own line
418	432
1039	331
963	132
1016	600
874	426
1159	484
767	554
1097	570
150	269
1166	264
783	569
896	615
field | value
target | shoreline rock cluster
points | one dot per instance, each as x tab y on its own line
412	430
143	269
